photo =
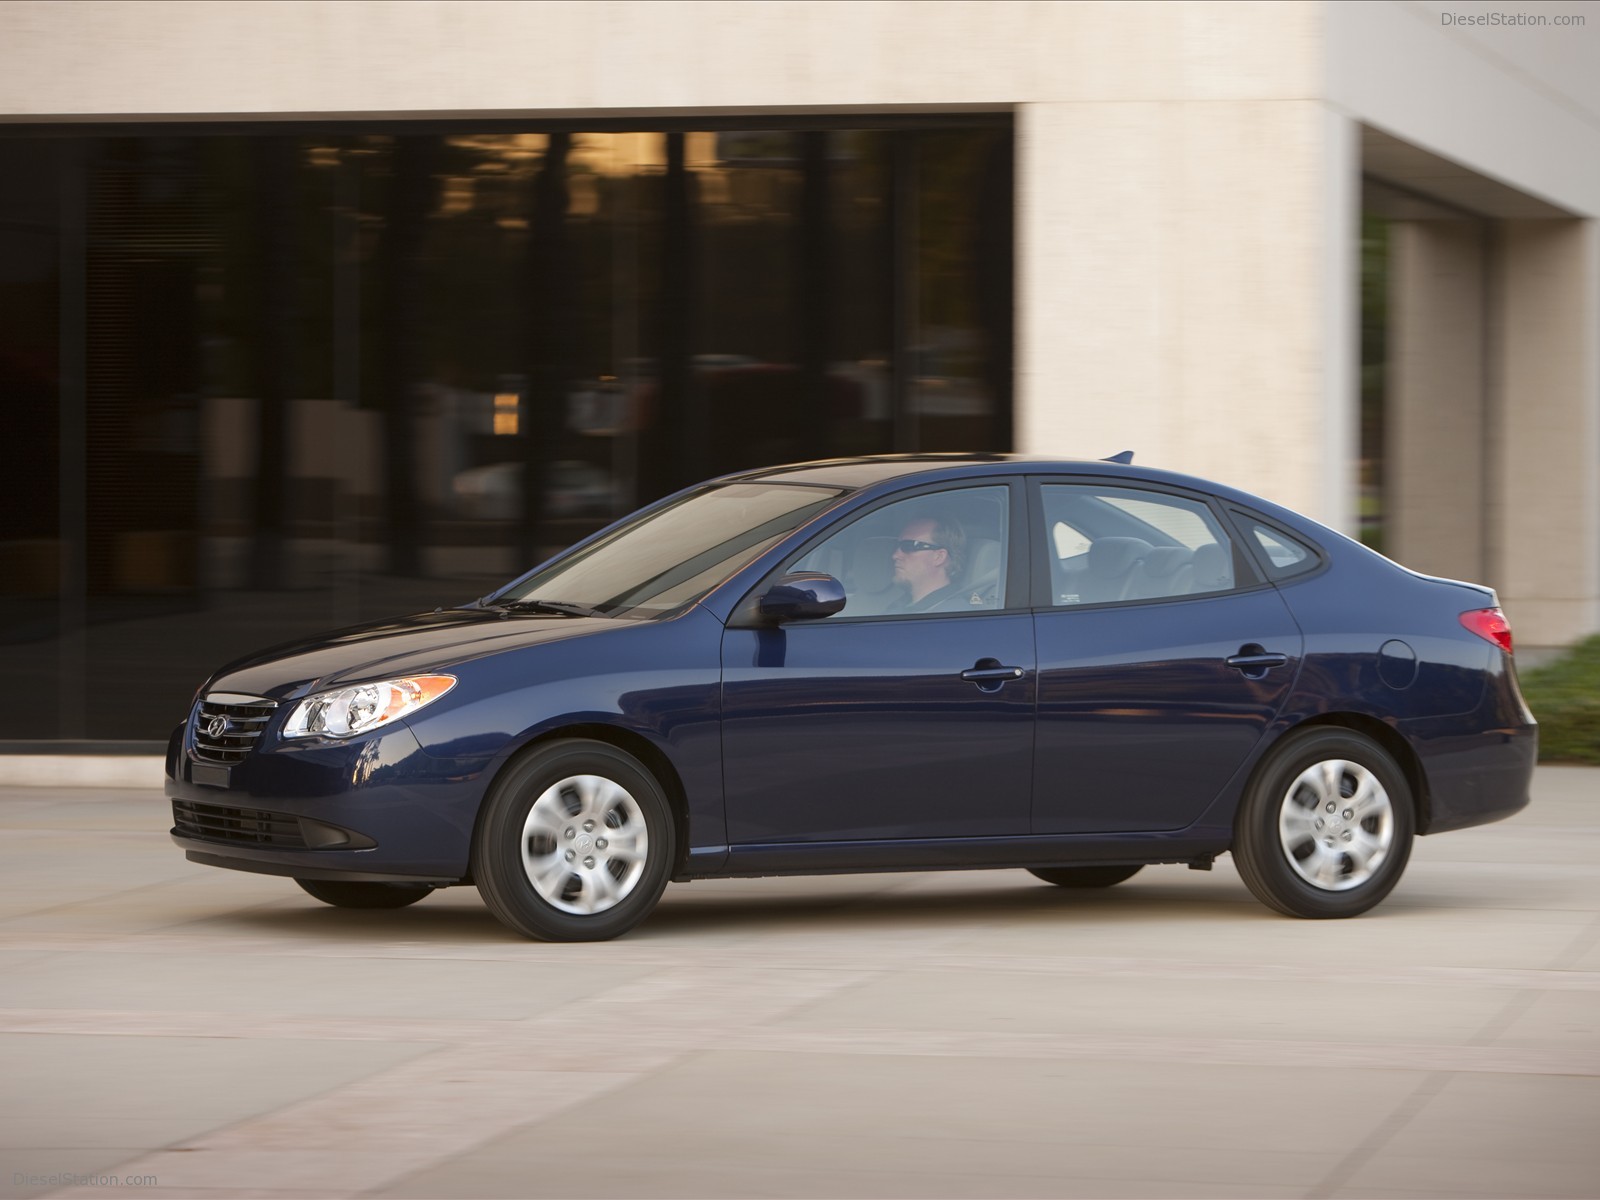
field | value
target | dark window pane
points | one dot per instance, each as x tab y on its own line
30	543
322	376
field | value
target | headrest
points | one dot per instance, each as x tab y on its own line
983	555
1212	570
1116	555
1164	560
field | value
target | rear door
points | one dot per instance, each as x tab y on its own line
1162	657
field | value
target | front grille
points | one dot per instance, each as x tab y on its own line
242	720
220	823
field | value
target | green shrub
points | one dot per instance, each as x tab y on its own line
1565	697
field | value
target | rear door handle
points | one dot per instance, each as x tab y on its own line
1257	664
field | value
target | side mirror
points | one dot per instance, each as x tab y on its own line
803	596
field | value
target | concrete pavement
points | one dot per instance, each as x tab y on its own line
210	1033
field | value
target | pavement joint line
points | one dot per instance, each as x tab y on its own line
443	1104
1555	978
1401	1056
98	898
565	1036
1505	1018
1412	1106
1581	945
1384	1132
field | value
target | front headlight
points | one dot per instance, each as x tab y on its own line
365	707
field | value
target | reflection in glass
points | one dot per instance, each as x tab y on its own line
674	554
31	561
256	385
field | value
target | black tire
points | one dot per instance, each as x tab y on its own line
361	894
561	882
1085	877
1326	825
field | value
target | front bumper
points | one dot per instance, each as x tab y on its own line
373	809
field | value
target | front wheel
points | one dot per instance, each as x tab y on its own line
1325	828
361	894
575	843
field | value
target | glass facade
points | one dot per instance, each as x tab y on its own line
258	383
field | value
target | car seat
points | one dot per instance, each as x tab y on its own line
1213	569
1110	567
1164	571
983	571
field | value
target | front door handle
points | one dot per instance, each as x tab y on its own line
989	675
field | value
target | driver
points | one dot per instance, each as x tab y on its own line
929	559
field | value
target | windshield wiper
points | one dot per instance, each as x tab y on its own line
564	607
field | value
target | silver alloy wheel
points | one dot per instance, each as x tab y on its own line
584	844
1336	824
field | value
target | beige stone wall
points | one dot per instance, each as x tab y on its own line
1519	105
1545	533
1494	451
305	57
1173	290
1438	491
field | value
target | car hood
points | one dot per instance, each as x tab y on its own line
404	645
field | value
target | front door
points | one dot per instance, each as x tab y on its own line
909	715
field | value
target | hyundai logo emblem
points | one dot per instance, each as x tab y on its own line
217	727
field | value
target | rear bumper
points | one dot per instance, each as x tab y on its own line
1479	766
1483	783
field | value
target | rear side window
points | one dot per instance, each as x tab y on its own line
1281	555
1117	544
1179	520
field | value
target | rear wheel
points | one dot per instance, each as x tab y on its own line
575	844
1326	827
1085	877
360	894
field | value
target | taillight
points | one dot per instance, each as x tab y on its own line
1491	625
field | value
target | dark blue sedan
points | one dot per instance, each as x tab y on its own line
884	664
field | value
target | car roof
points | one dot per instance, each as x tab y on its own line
868	471
873	469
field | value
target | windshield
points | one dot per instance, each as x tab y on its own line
674	555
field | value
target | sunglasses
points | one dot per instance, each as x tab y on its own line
908	546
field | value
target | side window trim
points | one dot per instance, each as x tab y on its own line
1247	574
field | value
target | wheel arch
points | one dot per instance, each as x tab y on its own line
629	742
1403	753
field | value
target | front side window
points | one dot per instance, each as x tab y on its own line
940	552
1110	544
672	556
